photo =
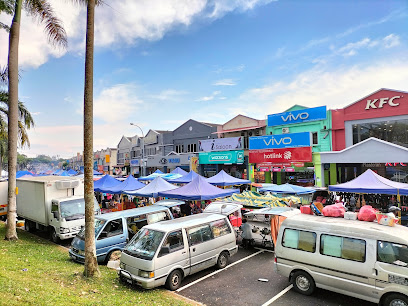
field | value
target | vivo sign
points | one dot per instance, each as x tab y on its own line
281	141
382	101
304	115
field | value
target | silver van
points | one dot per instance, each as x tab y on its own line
164	253
356	258
113	230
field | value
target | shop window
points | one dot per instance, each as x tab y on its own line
342	247
315	138
300	240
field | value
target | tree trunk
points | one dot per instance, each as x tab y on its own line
11	232
91	263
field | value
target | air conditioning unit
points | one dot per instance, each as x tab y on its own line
67	184
257	132
249	133
285	130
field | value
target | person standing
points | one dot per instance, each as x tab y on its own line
246	234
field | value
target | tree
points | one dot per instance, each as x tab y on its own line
91	263
42	10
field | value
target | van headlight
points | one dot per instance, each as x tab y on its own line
146	274
64	230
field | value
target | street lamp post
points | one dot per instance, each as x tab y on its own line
143	147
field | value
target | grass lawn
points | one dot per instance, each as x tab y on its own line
35	271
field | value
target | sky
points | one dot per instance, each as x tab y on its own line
159	63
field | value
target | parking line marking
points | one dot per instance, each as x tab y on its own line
215	272
266	250
278	295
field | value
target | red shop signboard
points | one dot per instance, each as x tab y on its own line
303	154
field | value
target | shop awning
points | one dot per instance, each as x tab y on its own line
371	150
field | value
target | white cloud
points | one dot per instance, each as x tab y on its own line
335	88
125	22
111	103
391	40
209	98
225	82
170	95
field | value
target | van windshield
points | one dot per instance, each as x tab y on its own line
392	253
75	209
144	244
98	225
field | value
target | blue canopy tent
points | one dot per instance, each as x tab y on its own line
105	182
72	172
158	171
152	189
97	173
224	179
178	170
198	189
165	176
171	176
23	172
150	177
288	188
64	173
129	184
186	178
57	172
371	182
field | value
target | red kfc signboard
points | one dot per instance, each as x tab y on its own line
303	154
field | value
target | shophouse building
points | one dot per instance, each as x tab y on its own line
304	130
105	160
124	148
371	133
158	144
229	152
186	143
77	162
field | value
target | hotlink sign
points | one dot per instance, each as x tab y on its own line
303	115
293	140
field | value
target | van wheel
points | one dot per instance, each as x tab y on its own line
174	280
29	226
222	261
54	236
112	255
395	299
303	283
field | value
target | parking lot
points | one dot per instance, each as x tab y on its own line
243	282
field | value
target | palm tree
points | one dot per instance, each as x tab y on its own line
91	264
42	10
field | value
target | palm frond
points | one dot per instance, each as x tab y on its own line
4	27
42	10
22	135
25	115
7	6
4	75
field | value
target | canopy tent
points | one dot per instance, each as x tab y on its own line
150	177
64	173
23	172
222	178
171	176
178	170
97	173
371	182
158	171
186	178
166	176
129	184
152	189
288	188
198	189
105	182
57	172
72	172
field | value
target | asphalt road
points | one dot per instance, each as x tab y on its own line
239	284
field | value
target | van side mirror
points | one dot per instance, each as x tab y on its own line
103	235
165	250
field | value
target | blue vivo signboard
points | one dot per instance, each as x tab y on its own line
293	140
303	115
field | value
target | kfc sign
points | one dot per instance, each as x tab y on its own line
382	101
303	154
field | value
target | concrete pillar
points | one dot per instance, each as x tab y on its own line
251	174
318	170
279	178
268	177
333	174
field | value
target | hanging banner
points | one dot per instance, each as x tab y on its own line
293	140
281	155
220	144
303	115
226	157
194	164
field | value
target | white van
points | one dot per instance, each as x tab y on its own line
164	253
356	258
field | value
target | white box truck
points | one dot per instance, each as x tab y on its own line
53	203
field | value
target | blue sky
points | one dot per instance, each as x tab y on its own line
159	63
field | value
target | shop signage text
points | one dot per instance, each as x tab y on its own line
280	141
220	144
382	101
229	157
281	155
134	162
304	115
395	164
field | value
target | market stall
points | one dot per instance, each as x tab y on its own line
152	189
224	179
